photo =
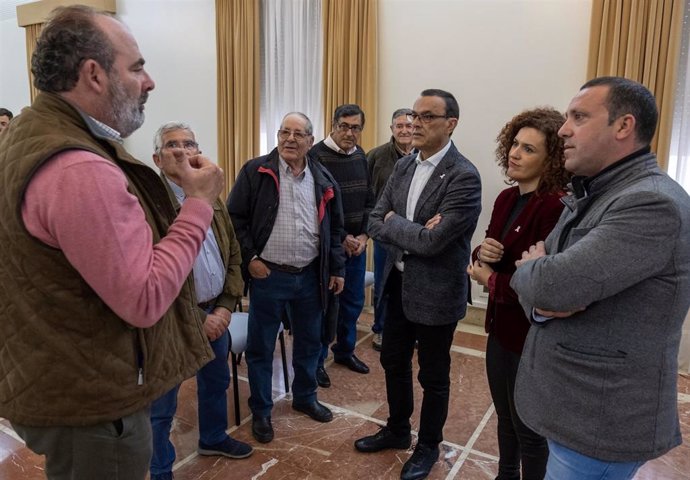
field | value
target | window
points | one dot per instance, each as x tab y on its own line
291	65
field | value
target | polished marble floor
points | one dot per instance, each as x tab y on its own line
304	449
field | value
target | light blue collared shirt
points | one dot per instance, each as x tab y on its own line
209	271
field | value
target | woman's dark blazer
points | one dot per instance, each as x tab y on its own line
505	317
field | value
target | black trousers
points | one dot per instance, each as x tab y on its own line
517	443
399	337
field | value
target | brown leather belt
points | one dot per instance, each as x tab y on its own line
285	268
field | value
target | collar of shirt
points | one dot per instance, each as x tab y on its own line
177	190
286	169
330	143
100	129
436	158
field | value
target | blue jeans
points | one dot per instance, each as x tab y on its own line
351	303
567	464
269	298
380	255
213	380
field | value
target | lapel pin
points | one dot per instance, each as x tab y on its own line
518	229
443	175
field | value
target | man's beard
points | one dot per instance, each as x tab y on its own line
127	113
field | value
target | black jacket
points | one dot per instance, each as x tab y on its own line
253	206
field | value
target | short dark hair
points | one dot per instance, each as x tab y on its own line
347	110
401	111
627	96
6	113
70	37
548	121
452	107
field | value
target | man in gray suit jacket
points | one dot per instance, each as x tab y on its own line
608	292
425	218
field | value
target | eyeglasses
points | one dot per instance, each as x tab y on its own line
344	127
424	117
188	145
285	134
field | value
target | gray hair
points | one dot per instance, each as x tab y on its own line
401	111
308	127
165	128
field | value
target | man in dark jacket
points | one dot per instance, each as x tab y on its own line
288	219
340	153
380	161
425	217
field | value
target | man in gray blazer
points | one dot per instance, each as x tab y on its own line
608	292
425	218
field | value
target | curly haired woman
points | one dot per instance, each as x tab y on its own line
530	153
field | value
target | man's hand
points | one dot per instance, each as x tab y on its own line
534	252
480	272
258	269
388	215
552	314
336	284
216	323
350	244
362	239
490	251
201	178
433	221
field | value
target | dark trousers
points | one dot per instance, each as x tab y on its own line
516	442
399	336
119	450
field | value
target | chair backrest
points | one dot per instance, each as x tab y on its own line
239	324
238	331
368	279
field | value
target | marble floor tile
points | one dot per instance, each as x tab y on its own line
307	450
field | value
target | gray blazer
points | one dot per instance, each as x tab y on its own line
434	285
603	381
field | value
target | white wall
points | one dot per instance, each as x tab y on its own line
14	83
498	57
178	40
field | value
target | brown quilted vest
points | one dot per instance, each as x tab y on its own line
65	357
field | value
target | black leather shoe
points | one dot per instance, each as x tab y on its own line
315	410
322	377
353	363
262	429
383	440
420	463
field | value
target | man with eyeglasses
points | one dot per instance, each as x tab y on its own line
340	153
426	216
98	314
218	286
286	211
381	161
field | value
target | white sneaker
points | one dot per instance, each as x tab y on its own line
377	342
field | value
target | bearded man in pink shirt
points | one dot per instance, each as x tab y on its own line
99	316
